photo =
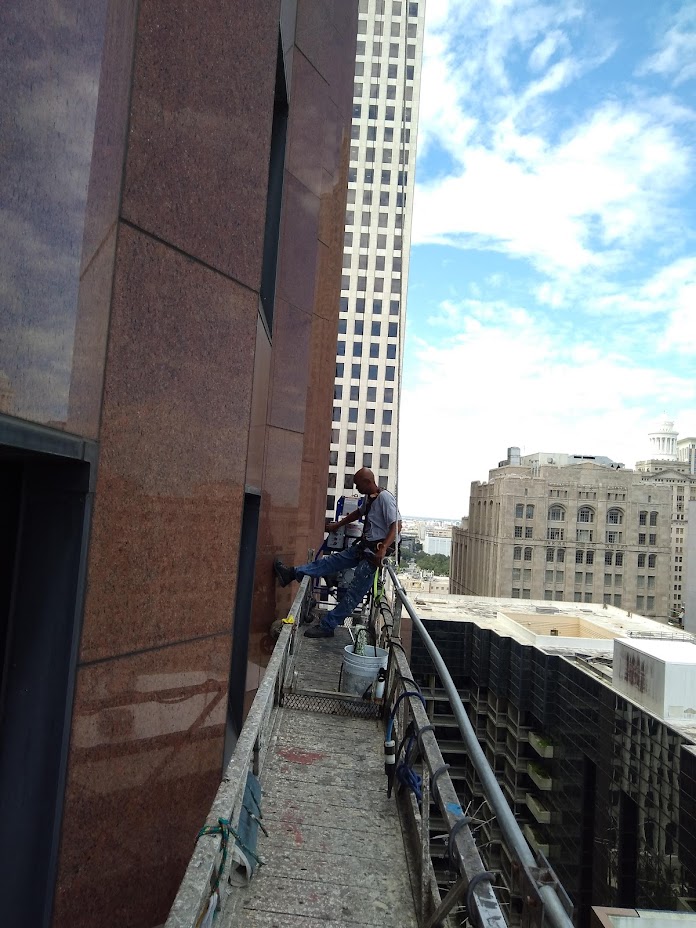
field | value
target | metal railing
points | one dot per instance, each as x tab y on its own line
203	881
544	900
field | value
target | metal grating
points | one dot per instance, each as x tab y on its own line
332	705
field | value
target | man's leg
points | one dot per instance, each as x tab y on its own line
360	584
322	567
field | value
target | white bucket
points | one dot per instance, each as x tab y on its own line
360	670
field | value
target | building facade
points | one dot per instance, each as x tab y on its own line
672	463
381	180
601	783
174	185
584	532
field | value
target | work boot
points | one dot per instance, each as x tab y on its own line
284	574
319	631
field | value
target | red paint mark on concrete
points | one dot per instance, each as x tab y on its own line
312	897
296	756
292	823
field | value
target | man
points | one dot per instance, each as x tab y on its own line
382	526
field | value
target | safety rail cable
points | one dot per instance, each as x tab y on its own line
517	843
196	894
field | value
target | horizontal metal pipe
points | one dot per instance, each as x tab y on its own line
511	831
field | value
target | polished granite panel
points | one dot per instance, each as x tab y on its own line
201	114
259	406
315	33
290	367
146	760
49	75
165	532
91	332
309	112
328	283
111	127
297	259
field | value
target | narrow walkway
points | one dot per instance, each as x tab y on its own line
335	855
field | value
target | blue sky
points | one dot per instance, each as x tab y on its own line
552	291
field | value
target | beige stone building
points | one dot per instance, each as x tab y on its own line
580	532
672	462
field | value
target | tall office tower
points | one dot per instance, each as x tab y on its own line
381	180
570	529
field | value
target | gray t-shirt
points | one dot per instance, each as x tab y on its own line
383	513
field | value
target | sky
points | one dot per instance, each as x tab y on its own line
552	289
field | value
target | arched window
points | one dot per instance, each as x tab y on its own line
560	555
550	554
614	517
556	514
527	554
530	511
642	518
517	554
519	510
586	514
653	518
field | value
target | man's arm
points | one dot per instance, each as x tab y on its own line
384	545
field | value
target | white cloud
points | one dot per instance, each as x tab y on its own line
509	380
584	198
676	54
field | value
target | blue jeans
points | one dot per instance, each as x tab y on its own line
359	585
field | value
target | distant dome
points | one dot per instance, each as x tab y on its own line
663	440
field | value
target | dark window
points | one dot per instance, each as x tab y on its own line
342	326
389	372
376	307
376	327
367	460
387	417
391	352
360	305
330	502
333	457
384	461
340	348
339	370
355	392
386	439
355	372
357	349
358	327
374	349
393	328
370	416
338	391
353	414
350	458
372	372
368	438
388	394
372	394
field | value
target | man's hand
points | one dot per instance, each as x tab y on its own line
380	552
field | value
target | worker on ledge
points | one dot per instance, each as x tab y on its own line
380	535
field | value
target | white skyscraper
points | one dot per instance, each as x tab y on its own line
381	179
